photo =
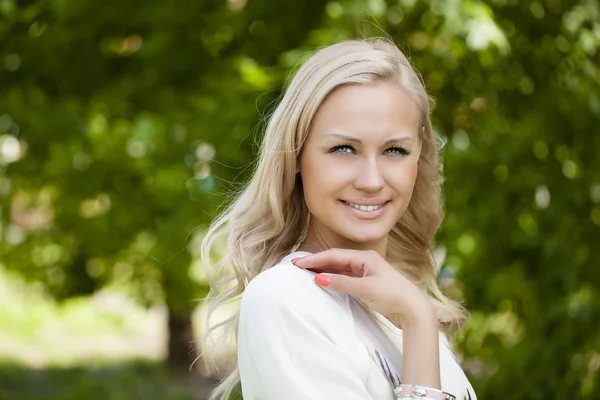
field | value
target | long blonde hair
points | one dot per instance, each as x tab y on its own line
269	217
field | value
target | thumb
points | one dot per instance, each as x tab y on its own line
341	283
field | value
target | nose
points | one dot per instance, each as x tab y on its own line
369	177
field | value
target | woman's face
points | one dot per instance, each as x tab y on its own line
359	164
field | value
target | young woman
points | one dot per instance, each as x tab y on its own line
330	242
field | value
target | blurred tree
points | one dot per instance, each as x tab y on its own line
110	114
113	116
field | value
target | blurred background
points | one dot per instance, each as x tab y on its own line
125	124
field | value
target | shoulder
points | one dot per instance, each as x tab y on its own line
282	277
283	306
285	286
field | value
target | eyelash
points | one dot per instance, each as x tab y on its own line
397	150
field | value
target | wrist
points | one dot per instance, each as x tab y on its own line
421	392
422	316
420	351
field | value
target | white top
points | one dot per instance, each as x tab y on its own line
299	341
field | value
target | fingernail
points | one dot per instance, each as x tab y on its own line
295	259
322	280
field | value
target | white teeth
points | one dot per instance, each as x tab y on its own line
364	208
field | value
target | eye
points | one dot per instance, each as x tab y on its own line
342	149
397	151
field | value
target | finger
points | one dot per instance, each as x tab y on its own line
341	283
340	259
331	271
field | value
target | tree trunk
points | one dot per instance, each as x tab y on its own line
181	341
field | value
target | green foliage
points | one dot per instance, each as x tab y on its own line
132	118
128	381
117	108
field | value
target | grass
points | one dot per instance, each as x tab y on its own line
102	347
125	380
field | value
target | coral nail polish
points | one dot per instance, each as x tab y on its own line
322	280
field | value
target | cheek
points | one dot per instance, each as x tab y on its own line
404	180
311	178
413	171
321	173
323	180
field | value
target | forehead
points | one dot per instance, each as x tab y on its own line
375	110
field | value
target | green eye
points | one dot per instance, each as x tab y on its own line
343	149
398	150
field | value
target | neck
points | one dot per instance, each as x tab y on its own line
316	240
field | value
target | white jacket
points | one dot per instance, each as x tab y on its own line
299	341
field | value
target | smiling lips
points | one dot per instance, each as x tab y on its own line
366	208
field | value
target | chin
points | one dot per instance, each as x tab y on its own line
362	237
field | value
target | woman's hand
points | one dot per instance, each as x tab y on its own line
370	278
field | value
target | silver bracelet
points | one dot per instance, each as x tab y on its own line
418	392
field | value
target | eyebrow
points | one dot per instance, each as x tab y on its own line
357	140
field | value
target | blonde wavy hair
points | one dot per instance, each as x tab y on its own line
268	218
